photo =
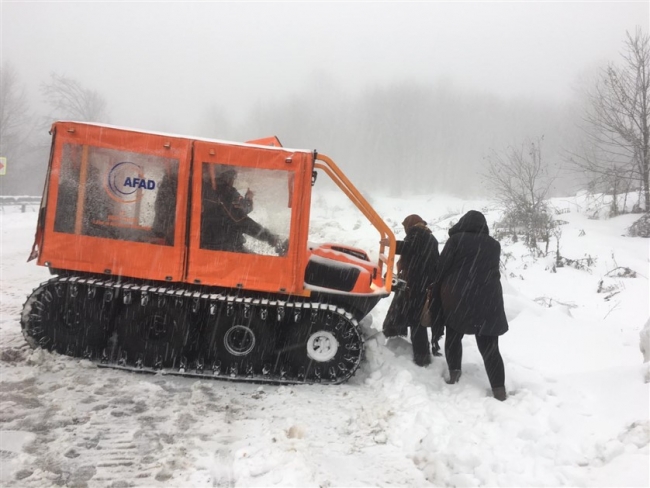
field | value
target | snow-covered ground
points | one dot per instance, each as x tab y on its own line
577	412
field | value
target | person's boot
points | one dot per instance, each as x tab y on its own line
500	393
435	349
422	359
454	376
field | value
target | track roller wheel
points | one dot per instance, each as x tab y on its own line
326	350
240	345
64	318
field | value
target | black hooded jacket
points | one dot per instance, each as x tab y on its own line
417	264
418	261
467	285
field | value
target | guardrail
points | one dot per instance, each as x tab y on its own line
22	201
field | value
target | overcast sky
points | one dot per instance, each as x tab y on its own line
160	65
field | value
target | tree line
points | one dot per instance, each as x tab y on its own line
612	157
23	133
407	137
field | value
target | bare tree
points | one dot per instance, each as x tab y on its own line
520	178
616	156
69	99
14	111
17	142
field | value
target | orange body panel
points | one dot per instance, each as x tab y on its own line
263	273
74	251
122	202
266	141
352	256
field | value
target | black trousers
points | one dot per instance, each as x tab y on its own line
488	346
420	340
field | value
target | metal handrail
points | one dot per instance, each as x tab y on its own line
366	209
23	201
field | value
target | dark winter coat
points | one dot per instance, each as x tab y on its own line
417	264
225	220
165	209
468	280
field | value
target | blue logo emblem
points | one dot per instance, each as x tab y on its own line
124	181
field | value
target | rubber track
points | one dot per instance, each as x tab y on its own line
69	296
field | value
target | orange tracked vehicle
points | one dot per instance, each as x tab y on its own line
191	256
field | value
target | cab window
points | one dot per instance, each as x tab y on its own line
117	195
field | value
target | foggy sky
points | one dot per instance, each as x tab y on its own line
161	66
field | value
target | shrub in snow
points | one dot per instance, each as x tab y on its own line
583	264
621	272
602	205
530	225
640	228
607	287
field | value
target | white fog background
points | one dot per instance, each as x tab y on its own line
407	97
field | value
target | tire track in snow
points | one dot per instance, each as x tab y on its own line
108	428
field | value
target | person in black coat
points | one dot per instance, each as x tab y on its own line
418	259
225	220
165	209
469	294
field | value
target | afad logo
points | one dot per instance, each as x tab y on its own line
125	182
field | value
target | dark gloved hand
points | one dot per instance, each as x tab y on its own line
281	247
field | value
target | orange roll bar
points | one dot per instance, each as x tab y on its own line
366	209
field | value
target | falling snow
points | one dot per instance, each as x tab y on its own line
577	412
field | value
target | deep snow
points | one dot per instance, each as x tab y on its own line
577	414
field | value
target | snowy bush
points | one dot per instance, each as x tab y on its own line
640	228
603	206
621	272
583	264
